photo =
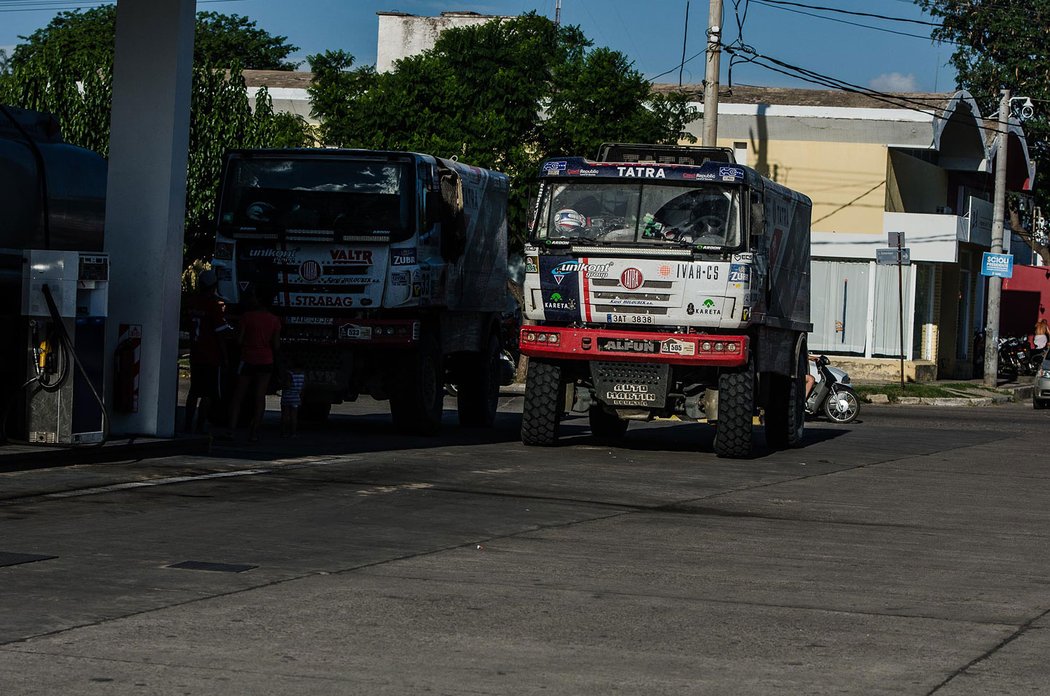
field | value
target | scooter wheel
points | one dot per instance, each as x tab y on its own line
842	405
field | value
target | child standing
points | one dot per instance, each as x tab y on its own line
291	398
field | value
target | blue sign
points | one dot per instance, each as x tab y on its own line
1001	265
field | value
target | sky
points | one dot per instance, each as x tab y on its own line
865	51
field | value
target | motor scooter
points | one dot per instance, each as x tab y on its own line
832	396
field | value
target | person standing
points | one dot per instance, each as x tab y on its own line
291	398
208	329
259	336
1041	336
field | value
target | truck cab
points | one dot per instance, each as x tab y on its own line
377	260
648	281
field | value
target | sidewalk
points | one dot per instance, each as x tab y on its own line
1018	390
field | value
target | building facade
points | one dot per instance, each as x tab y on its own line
922	166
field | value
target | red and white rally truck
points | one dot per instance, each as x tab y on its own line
666	280
389	271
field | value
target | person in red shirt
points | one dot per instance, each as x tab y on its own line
259	337
208	329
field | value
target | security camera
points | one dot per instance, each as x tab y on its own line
1027	109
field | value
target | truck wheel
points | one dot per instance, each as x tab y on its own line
416	401
605	426
736	407
315	411
542	410
478	390
786	411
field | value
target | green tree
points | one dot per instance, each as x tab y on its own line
501	95
1000	45
221	118
86	38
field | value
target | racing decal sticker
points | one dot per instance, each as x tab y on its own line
739	273
557	301
703	271
403	257
560	287
340	255
709	308
674	346
297	299
572	269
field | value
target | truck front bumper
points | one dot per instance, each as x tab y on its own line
700	350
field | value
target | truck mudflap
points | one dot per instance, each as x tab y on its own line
696	349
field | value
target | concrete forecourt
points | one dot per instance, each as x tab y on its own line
900	554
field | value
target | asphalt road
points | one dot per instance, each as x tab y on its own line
902	554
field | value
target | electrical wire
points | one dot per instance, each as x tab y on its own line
851	12
845	21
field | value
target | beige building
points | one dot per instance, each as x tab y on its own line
402	34
922	165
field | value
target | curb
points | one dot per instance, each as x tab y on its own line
18	457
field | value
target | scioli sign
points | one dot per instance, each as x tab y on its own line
1001	265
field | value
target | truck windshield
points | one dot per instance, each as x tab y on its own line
615	212
346	196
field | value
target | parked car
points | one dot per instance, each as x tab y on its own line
1041	392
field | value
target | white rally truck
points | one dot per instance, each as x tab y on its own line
666	280
388	270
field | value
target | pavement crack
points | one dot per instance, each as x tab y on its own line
1021	630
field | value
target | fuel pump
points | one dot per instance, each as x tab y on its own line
65	297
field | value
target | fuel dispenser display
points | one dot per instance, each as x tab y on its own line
65	298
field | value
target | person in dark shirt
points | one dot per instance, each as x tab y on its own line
259	338
207	324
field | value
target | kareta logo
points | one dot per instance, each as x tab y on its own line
556	297
709	302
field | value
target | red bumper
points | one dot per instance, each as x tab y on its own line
713	350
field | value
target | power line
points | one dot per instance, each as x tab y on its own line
854	13
769	4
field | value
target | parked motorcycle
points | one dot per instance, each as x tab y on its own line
1016	357
832	396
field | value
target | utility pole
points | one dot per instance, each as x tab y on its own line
995	283
685	39
714	49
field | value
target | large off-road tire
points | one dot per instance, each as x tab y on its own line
786	407
736	409
419	390
543	403
605	426
477	391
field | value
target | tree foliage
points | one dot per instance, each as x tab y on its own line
501	95
87	37
1002	45
221	118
